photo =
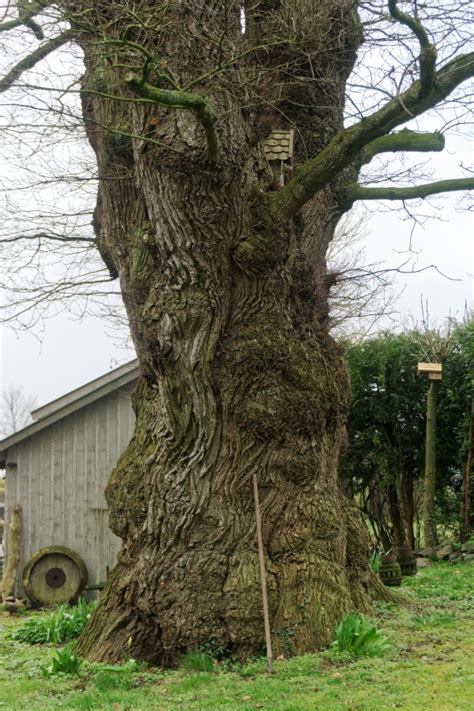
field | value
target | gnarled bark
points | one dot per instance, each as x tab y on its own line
228	312
238	377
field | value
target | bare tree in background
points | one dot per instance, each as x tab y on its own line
360	293
15	410
222	266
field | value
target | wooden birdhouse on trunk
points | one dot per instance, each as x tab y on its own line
278	148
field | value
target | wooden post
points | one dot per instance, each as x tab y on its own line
13	550
434	371
263	577
430	538
466	480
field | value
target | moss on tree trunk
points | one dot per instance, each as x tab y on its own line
239	377
228	313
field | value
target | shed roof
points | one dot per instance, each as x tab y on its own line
72	401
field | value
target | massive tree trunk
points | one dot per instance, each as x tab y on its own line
222	270
228	312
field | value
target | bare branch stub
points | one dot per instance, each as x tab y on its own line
428	53
177	99
416	192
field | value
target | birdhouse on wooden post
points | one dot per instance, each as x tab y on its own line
434	371
278	149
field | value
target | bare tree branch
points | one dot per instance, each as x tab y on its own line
347	144
48	236
417	192
25	17
15	410
199	105
428	54
404	140
32	59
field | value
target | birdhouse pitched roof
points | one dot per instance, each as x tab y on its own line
279	145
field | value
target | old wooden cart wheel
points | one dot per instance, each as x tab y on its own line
54	575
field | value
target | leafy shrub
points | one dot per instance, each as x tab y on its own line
58	626
65	662
358	635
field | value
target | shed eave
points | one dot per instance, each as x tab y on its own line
75	400
79	393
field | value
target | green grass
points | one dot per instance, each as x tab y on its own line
430	665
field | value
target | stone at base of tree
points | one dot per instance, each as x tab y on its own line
469	556
444	551
422	562
455	557
425	553
467	547
14	605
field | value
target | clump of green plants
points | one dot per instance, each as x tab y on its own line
209	656
64	662
359	636
435	619
62	624
197	662
116	676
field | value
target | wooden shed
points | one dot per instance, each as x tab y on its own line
57	468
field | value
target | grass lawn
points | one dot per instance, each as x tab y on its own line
430	666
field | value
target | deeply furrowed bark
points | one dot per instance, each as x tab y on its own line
228	313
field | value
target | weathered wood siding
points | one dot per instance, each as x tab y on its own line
59	480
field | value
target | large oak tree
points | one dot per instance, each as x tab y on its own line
222	272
